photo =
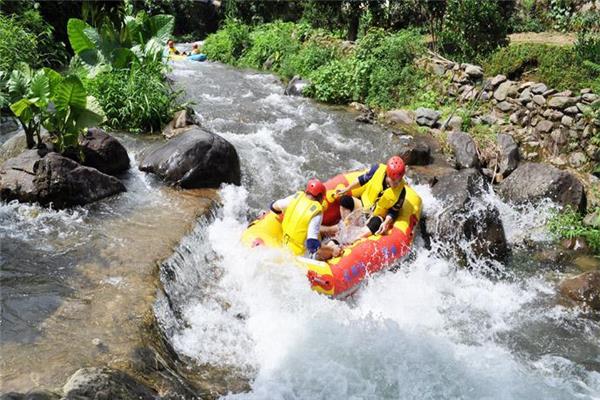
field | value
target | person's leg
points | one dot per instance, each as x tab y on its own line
328	250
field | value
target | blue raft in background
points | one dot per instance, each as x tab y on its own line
197	57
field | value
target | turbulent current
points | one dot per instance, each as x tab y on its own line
428	330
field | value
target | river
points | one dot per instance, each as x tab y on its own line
246	319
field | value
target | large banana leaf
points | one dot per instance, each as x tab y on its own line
40	88
79	35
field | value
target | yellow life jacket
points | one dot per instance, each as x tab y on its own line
377	200
296	220
172	50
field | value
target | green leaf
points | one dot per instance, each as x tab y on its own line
85	118
123	57
162	27
70	93
78	38
40	87
20	107
54	78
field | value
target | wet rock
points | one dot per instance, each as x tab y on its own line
584	288
532	182
539	88
427	116
561	102
402	117
415	152
105	383
465	150
104	152
296	85
498	79
509	154
31	395
366	117
54	179
182	121
195	159
464	218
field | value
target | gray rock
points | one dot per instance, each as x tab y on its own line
465	150
506	89
488	119
415	152
454	123
577	159
549	92
544	126
526	85
474	72
402	117
525	96
195	159
105	383
532	182
555	115
571	110
296	86
559	137
427	116
505	106
585	91
54	179
561	102
593	152
464	218
539	88
438	69
31	395
590	97
104	152
498	79
515	118
584	288
565	93
539	99
567	121
509	154
583	108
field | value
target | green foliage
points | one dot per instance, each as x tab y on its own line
17	44
45	98
333	83
272	41
561	13
313	54
568	224
472	28
587	46
136	99
556	66
228	44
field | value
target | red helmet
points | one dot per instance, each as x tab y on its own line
395	168
315	188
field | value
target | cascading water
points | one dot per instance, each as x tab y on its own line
430	330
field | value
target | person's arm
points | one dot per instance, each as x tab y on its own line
392	213
281	205
312	238
360	181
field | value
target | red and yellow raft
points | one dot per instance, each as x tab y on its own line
341	276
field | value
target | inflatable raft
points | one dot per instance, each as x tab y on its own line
193	57
341	276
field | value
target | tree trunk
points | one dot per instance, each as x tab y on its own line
354	21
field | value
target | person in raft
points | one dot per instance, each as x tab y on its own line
195	49
382	194
173	50
302	222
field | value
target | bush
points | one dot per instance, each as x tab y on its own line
228	44
136	100
314	53
569	224
473	28
17	44
273	41
587	46
556	66
333	83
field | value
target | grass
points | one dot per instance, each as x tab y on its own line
568	224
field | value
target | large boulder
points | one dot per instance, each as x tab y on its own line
54	179
105	383
31	395
196	158
465	150
104	152
414	151
296	86
583	288
427	116
532	182
464	221
509	154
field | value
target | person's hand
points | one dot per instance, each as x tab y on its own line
384	227
341	192
262	214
